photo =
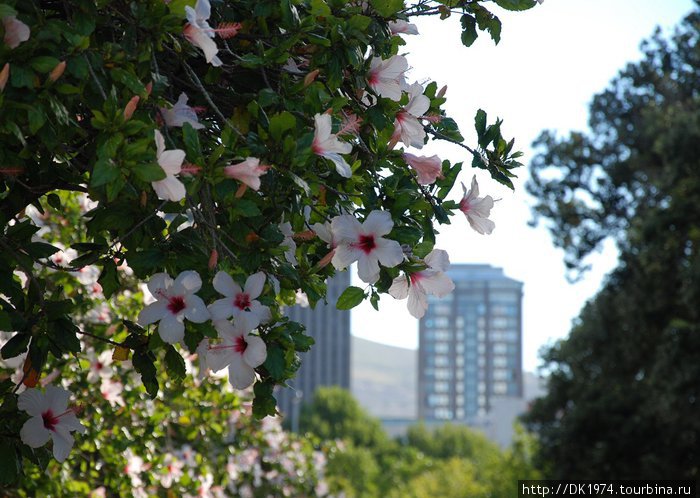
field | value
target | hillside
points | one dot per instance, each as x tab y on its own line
383	378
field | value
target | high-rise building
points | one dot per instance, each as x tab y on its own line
470	346
328	361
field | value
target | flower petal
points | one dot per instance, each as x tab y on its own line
152	313
57	399
368	268
188	282
399	288
345	255
437	283
62	443
261	313
254	285
345	228
482	225
417	302
170	189
218	359
33	402
240	374
256	352
322	126
158	283
170	329
171	161
224	284
195	309
160	143
221	309
388	252
378	223
33	432
438	259
71	422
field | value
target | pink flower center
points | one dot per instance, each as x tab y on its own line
464	206
316	148
401	116
176	304
98	366
50	420
416	277
373	77
242	301
366	243
240	345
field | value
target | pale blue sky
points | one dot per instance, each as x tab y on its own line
549	64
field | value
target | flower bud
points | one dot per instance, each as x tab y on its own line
213	259
4	76
310	77
57	71
131	107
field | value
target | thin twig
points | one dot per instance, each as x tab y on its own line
94	77
103	339
195	79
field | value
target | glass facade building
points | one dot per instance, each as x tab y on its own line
328	361
470	345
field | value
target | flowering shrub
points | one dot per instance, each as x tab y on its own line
229	156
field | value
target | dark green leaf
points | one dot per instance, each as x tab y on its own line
109	278
469	33
15	346
264	403
192	146
275	363
149	172
174	364
10	462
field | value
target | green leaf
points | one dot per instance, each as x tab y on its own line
41	250
5	322
15	346
469	33
480	122
143	262
516	4
109	278
105	171
264	403
44	63
247	208
129	80
319	8
63	334
54	201
10	462
143	361
387	8
37	118
149	172
174	364
275	363
279	123
6	10
351	297
302	342
192	146
21	77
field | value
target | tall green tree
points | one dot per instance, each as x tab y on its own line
623	388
